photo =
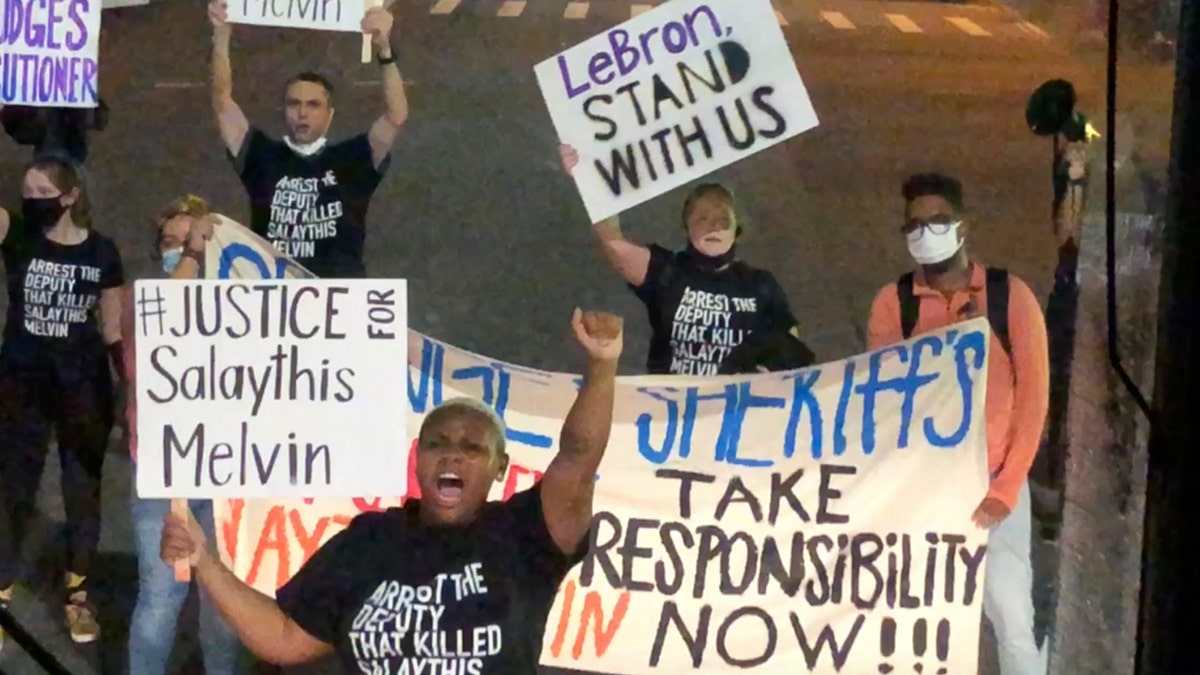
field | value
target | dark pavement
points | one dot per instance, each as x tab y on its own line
493	240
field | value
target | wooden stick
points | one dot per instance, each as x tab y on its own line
179	509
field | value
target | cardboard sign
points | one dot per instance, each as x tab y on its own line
673	95
750	524
271	389
339	15
49	53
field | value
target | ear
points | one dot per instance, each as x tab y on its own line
69	198
501	468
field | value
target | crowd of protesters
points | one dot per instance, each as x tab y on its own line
67	354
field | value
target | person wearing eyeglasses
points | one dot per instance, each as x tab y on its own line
948	287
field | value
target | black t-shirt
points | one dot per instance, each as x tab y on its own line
697	317
54	295
314	208
395	597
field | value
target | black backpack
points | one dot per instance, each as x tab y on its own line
997	305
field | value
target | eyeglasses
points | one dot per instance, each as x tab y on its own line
936	225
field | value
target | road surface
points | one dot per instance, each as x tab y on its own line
493	240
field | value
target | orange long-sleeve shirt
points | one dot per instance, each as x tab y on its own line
1018	390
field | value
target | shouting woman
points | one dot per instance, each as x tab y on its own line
450	566
702	301
64	312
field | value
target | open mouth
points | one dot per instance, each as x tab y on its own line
448	490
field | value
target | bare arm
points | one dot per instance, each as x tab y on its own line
231	120
630	259
110	314
4	223
258	621
383	133
568	486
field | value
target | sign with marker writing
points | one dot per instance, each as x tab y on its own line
339	15
818	520
49	53
271	388
673	95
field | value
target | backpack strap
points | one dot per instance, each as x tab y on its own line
997	306
910	307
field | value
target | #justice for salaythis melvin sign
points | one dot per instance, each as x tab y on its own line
271	388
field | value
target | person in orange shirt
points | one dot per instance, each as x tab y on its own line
948	287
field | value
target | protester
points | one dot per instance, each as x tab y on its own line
309	197
701	301
54	130
64	307
181	231
948	287
488	571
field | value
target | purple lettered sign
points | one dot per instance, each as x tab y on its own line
49	51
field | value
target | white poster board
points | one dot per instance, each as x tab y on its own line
277	388
340	15
49	53
672	95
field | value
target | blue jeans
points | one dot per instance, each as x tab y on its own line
1008	592
160	597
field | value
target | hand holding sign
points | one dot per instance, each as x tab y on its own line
377	23
599	333
182	539
218	16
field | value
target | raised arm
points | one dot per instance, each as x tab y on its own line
630	259
230	119
569	483
378	24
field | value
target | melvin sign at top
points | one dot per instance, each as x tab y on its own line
672	95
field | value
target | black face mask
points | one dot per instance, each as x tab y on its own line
42	213
707	263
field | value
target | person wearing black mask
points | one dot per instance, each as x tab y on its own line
702	301
63	326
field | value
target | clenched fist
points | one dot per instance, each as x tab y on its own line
601	334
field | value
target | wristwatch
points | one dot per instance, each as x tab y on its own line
383	61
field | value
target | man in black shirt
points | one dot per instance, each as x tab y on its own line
308	197
449	582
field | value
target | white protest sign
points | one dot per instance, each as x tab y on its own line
289	387
339	15
672	95
49	53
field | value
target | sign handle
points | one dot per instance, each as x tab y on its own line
179	509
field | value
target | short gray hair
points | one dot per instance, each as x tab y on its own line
466	403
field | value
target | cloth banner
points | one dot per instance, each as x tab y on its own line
814	521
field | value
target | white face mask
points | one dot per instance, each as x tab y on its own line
305	149
928	248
